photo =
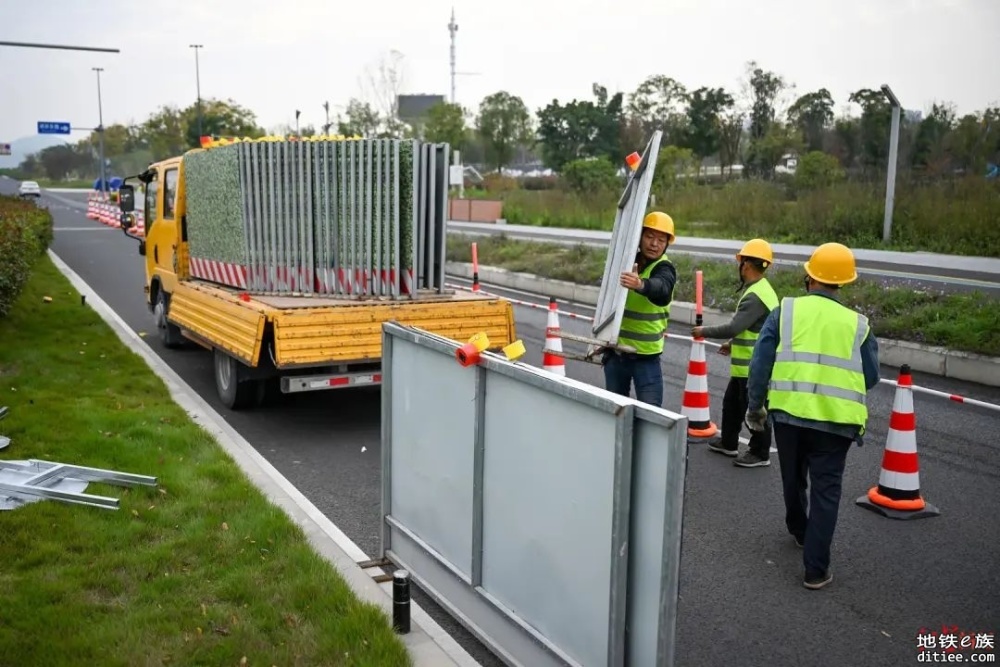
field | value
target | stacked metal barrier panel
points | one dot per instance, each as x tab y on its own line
359	218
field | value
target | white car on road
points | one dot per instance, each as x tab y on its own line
29	189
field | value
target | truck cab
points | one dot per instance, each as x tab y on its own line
164	245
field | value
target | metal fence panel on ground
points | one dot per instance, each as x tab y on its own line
542	512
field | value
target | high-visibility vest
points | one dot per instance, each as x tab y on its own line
743	342
818	372
644	323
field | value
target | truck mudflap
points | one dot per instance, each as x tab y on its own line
299	383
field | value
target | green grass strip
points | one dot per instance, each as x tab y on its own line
203	570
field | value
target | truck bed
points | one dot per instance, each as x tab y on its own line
303	331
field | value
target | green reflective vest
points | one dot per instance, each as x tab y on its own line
817	372
644	323
743	342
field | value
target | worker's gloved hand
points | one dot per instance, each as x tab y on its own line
756	419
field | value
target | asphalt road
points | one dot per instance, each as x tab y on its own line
742	601
919	270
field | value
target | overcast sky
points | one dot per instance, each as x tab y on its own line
275	57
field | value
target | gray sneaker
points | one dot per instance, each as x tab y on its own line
749	460
717	447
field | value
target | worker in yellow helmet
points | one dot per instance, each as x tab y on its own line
650	286
755	304
814	363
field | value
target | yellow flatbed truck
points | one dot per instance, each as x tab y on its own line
298	342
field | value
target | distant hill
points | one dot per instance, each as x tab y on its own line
25	146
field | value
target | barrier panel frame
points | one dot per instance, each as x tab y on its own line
460	590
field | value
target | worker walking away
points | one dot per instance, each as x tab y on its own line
814	363
755	304
650	287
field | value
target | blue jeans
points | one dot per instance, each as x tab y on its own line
645	372
819	457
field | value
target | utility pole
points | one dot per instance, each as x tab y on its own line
100	129
890	185
326	127
297	114
452	29
197	79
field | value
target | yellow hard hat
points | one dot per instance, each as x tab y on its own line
757	248
832	264
661	222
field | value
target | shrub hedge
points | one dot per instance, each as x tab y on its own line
25	234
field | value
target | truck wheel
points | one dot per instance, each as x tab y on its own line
170	334
235	391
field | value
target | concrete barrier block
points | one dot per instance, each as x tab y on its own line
973	368
921	358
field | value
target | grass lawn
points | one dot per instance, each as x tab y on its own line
202	570
969	321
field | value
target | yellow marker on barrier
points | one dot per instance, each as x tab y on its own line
481	341
514	351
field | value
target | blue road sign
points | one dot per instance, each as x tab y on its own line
53	127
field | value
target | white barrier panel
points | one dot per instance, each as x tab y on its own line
625	237
544	513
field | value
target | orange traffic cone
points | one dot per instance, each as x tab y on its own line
552	359
897	495
695	404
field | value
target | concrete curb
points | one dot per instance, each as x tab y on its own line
938	361
428	644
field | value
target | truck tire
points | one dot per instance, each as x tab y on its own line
170	334
235	391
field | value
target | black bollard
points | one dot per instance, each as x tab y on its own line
83	299
401	601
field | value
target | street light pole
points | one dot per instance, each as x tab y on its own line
197	79
890	186
100	129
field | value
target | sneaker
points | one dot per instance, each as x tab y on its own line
799	542
717	447
817	581
749	460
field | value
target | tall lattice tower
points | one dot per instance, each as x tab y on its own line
452	29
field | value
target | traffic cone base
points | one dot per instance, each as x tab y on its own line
695	403
897	509
897	494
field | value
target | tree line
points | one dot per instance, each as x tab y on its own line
755	127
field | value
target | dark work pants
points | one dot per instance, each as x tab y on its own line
820	456
645	371
734	410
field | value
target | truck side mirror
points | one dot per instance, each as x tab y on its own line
126	198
